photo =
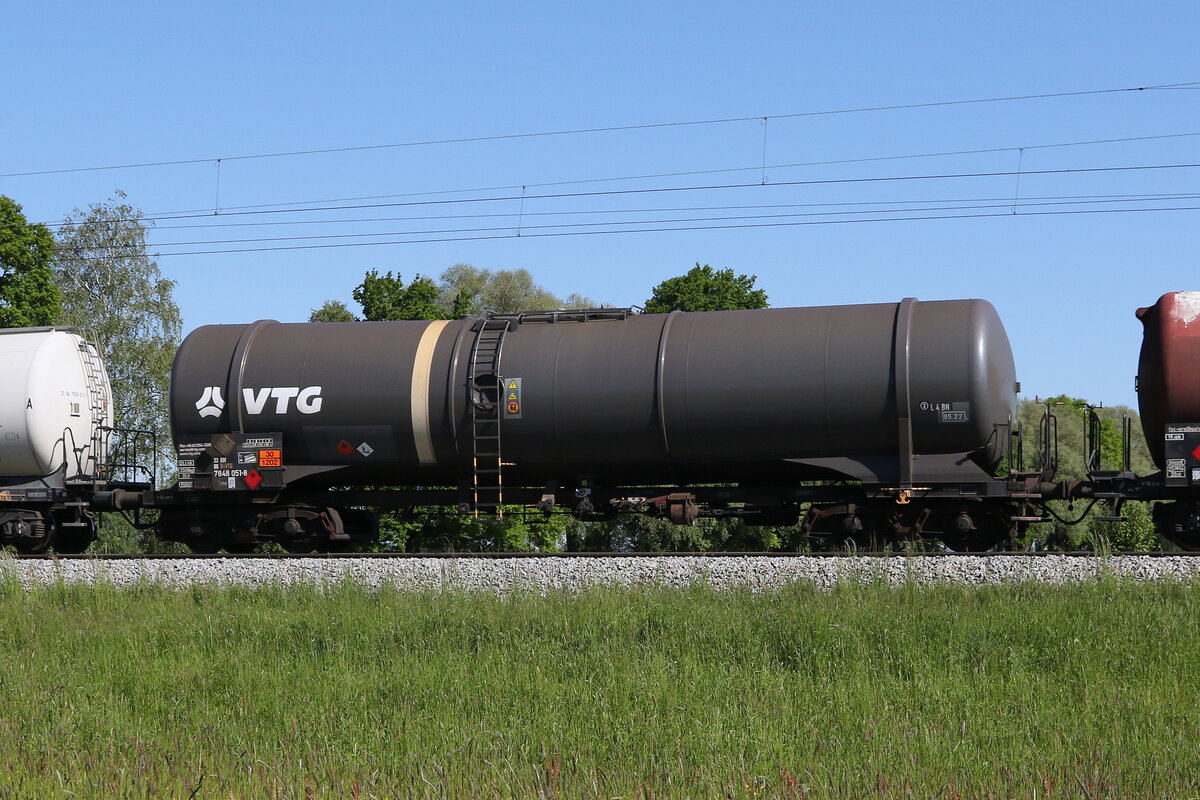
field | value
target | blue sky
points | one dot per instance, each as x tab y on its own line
128	83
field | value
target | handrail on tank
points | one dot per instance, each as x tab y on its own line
122	464
1049	440
1094	443
564	315
1016	449
43	329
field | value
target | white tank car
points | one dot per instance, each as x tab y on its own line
55	402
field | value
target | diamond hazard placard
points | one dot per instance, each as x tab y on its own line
253	478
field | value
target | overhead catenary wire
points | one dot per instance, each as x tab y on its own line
726	170
648	176
207	224
511	235
694	188
734	186
274	210
659	223
1001	202
594	130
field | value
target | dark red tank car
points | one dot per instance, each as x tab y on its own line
1169	371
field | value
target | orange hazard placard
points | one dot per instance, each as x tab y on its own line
270	458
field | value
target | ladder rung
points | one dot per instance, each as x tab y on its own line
485	420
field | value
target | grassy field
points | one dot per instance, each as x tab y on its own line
1024	692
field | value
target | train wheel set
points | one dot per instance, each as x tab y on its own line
867	424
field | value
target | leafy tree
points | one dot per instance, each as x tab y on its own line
385	297
510	291
706	289
464	289
462	305
461	289
576	300
332	311
29	296
113	290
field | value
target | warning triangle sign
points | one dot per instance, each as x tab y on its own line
512	384
512	396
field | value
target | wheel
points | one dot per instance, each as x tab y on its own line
33	547
203	546
40	540
1179	522
301	545
71	540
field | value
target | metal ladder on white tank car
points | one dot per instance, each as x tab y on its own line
483	380
98	407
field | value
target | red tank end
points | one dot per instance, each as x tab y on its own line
1169	366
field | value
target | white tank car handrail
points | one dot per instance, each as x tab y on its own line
43	329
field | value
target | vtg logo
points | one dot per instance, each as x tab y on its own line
211	404
308	400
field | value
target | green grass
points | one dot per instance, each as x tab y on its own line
869	691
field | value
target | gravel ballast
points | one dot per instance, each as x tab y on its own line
501	575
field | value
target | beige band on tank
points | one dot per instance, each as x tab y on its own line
422	371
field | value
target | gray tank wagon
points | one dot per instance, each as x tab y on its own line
596	411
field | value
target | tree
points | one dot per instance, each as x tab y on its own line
461	288
112	290
464	289
511	290
332	311
385	297
29	296
706	289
